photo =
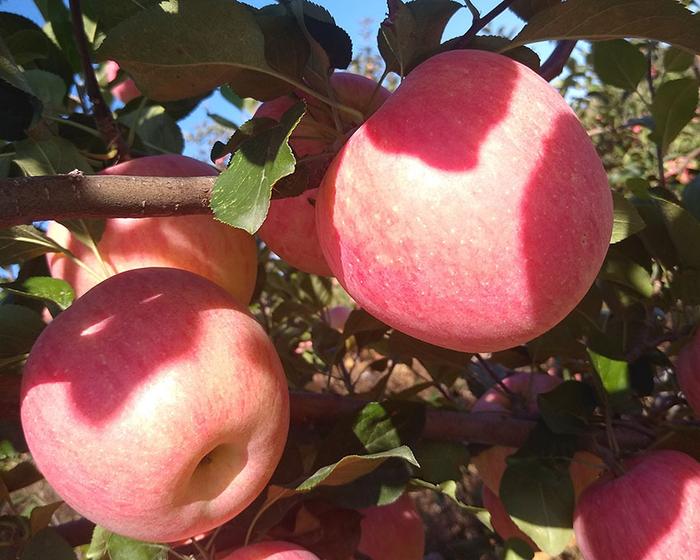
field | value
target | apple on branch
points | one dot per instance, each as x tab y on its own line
470	210
155	405
270	550
290	227
200	244
125	90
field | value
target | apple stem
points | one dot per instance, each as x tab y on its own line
103	116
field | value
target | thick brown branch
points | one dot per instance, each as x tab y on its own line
27	199
103	116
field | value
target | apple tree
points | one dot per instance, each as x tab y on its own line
437	298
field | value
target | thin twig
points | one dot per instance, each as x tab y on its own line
480	22
103	116
652	91
554	65
494	376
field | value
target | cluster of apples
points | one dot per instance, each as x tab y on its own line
469	210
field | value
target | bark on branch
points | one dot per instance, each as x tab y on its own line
27	199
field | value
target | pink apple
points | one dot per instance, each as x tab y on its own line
290	227
392	532
501	521
271	550
470	210
491	463
200	244
126	90
155	405
651	512
688	372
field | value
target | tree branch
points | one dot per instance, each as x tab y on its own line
103	116
479	23
27	199
554	65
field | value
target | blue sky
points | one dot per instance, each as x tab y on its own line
350	15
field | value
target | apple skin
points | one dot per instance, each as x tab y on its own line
688	372
470	210
126	90
392	532
155	405
491	463
200	244
271	550
290	227
649	513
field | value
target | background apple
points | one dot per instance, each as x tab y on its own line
155	405
471	210
688	372
290	227
337	316
491	463
392	532
648	513
271	550
200	244
125	90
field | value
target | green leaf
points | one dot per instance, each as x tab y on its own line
677	60
47	544
40	516
229	95
22	243
413	31
156	129
441	460
49	156
612	372
225	45
540	500
691	197
517	550
450	489
110	14
625	272
600	20
20	476
406	346
673	107
619	63
49	88
88	232
626	219
106	545
19	328
684	230
241	194
568	408
44	288
525	9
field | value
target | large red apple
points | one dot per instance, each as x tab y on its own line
491	463
271	550
688	372
126	90
200	244
290	227
392	532
155	405
651	512
471	209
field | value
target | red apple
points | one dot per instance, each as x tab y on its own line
155	405
651	512
126	90
290	227
337	316
271	550
688	372
200	244
392	532
491	463
470	210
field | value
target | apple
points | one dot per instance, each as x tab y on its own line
290	227
491	463
470	210
337	316
392	532
651	512
501	522
271	550
688	372
155	405
200	244
126	90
